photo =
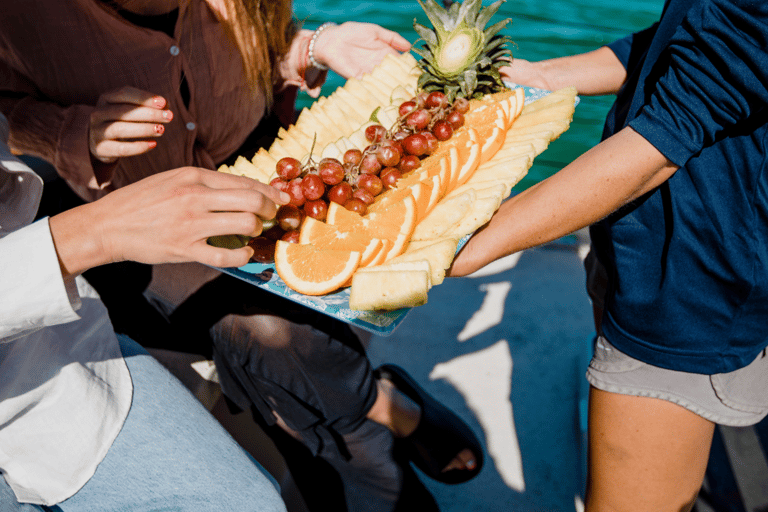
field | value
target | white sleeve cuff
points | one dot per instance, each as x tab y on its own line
34	292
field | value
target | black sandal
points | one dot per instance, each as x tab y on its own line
440	436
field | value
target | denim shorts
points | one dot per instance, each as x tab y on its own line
738	398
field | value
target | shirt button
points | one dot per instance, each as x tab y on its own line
190	126
175	50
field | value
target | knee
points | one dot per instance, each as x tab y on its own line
248	331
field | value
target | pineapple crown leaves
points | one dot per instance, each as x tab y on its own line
460	53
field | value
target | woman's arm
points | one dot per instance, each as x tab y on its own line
593	73
165	218
350	50
613	173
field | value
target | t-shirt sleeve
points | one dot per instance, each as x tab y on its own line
716	78
623	48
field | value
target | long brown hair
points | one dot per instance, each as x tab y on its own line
263	31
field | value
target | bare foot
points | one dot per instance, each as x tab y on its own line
401	415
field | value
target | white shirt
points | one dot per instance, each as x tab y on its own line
64	387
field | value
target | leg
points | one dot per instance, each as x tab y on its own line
644	454
8	501
172	454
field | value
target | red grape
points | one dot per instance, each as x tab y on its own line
442	130
388	156
295	190
353	156
288	168
415	144
435	99
356	205
313	187
431	142
370	164
418	119
406	107
408	163
289	217
363	195
331	171
455	119
371	183
273	233
263	249
375	132
316	209
340	193
291	236
461	105
389	177
280	184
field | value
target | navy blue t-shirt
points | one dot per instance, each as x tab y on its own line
688	262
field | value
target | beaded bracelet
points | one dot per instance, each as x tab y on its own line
313	39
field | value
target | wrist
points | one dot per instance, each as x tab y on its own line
313	55
76	236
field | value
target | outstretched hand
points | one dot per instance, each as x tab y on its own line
126	122
352	48
166	218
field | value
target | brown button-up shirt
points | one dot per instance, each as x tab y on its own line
57	58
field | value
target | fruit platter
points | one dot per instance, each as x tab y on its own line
392	172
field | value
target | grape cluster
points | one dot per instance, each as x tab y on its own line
356	180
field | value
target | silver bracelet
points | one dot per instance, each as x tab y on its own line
313	39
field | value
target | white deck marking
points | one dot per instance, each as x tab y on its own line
491	312
484	379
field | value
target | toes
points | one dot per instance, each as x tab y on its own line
464	460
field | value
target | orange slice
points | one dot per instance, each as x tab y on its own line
435	193
343	219
310	271
326	237
488	119
421	192
378	259
470	160
395	223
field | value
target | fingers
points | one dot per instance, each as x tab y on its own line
109	150
248	201
393	39
132	96
220	180
218	257
125	122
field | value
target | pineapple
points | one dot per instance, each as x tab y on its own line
461	57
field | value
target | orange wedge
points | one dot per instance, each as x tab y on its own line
436	193
469	156
394	223
310	271
378	259
326	237
421	192
343	219
488	119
